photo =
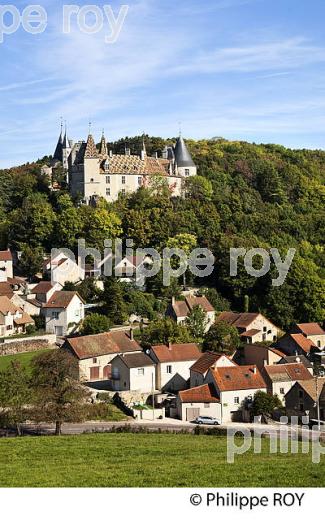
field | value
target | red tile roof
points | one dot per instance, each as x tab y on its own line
304	343
113	342
7	306
6	289
310	387
182	308
176	352
42	287
311	329
199	394
287	372
5	256
24	320
61	299
206	361
250	333
238	378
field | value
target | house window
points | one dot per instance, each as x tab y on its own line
55	315
187	172
301	407
264	336
94	360
9	327
140	371
123	192
108	191
108	179
139	181
106	166
318	343
282	390
301	394
123	179
169	369
236	400
264	329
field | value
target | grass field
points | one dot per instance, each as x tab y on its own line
147	460
24	358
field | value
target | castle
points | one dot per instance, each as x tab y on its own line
94	172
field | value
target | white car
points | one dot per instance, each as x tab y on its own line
204	419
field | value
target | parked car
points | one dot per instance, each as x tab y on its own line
203	419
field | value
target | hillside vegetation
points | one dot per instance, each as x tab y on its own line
246	195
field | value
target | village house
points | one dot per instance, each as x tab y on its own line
281	378
6	290
301	399
235	387
201	400
6	265
128	270
13	320
304	339
43	291
95	352
298	359
179	310
199	369
313	332
63	312
133	372
173	365
61	269
253	327
32	307
261	355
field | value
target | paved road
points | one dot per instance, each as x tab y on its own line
169	425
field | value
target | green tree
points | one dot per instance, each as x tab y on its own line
265	404
222	337
114	305
31	260
164	331
196	322
15	395
58	393
95	324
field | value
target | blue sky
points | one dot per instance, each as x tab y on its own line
242	69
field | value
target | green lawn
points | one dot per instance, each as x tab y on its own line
24	358
147	460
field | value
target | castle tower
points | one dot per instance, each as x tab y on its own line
103	146
184	164
66	150
57	156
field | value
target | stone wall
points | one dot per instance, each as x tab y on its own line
20	346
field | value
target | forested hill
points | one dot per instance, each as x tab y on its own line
247	196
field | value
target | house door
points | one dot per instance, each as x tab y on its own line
94	373
192	413
107	372
58	331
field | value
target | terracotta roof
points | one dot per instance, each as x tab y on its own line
311	329
136	360
238	378
24	320
5	256
310	387
6	289
60	300
287	372
183	308
206	361
42	287
199	394
7	306
113	342
250	333
304	343
176	352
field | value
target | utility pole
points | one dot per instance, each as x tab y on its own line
317	403
153	397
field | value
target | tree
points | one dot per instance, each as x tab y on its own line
114	305
99	224
31	260
198	188
196	322
164	331
184	241
15	394
265	404
58	392
95	324
222	337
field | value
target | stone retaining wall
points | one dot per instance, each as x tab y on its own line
26	345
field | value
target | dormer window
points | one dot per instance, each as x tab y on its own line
106	166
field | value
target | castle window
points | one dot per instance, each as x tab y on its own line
106	166
108	191
140	181
123	179
108	179
187	172
123	192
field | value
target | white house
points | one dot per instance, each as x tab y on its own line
281	378
133	372
253	327
63	312
13	320
6	265
129	268
95	352
43	291
61	269
201	400
179	310
173	365
235	386
207	360
302	339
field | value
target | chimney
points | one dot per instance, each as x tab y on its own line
127	151
155	155
254	369
131	334
111	153
143	155
173	300
265	362
169	345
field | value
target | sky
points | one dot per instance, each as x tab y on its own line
241	69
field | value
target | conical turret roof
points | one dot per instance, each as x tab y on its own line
103	146
58	150
91	150
182	155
